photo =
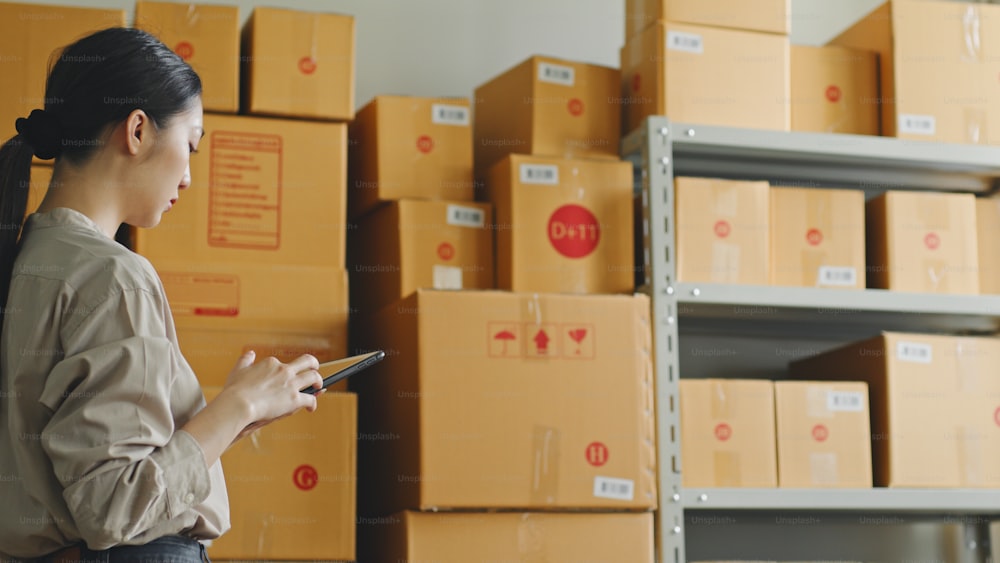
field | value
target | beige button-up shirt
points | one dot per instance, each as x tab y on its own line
93	393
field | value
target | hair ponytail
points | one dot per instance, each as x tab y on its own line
15	176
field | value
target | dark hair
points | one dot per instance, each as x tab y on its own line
93	84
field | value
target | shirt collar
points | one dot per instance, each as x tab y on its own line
62	216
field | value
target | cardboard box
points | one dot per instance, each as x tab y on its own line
408	244
936	68
263	191
923	242
771	16
30	35
464	537
409	147
988	244
934	400
295	478
834	90
817	237
706	75
563	225
298	64
824	437
727	433
722	230
547	107
508	401
222	310
207	37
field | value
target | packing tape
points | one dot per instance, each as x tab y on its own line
722	403
972	34
823	468
969	443
725	263
545	466
192	15
968	354
976	124
728	469
816	402
530	540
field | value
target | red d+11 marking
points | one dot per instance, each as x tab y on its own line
597	454
722	229
574	231
307	65
425	144
305	477
723	431
184	50
575	107
820	433
814	237
932	241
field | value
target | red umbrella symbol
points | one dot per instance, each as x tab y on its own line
504	336
578	334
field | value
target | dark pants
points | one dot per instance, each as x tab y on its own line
168	549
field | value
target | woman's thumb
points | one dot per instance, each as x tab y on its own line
246	360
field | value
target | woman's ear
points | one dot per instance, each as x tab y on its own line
138	131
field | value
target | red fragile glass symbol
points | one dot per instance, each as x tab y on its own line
307	65
814	237
932	241
425	144
184	50
723	431
820	433
833	93
597	454
722	229
577	335
305	477
575	107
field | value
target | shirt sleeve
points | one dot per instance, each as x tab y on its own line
124	466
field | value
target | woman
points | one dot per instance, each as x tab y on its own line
107	449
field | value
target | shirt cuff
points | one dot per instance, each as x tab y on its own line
185	472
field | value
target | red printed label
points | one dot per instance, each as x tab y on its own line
597	454
722	229
574	231
425	144
723	432
820	433
244	190
932	241
575	107
305	477
446	251
307	65
814	237
184	50
636	82
996	416
205	295
833	93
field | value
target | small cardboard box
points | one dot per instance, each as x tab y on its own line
988	243
770	16
834	90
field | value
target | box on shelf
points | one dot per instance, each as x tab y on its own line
30	35
771	16
935	403
937	73
207	37
722	230
295	478
563	225
409	244
410	147
464	537
298	64
817	237
823	434
506	400
988	243
834	90
263	191
923	242
550	107
727	433
706	75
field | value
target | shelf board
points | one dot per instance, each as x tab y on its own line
929	501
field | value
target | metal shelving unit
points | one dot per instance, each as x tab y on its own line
660	150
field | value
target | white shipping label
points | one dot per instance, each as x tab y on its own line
687	42
837	276
462	216
556	74
445	114
913	352
917	124
447	277
540	174
845	401
613	488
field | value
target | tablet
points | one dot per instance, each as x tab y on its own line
336	370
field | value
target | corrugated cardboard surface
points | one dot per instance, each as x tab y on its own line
408	244
465	537
292	486
770	16
563	225
924	242
834	90
509	400
410	147
722	229
727	433
817	237
706	75
298	64
263	191
824	437
208	38
988	244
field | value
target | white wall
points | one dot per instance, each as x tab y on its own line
448	47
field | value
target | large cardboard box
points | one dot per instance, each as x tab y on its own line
824	437
923	242
298	64
207	37
988	244
408	244
292	486
817	237
771	16
549	107
563	225
410	147
507	400
30	35
935	403
538	536
834	90
727	433
722	230
938	67
263	191
706	75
